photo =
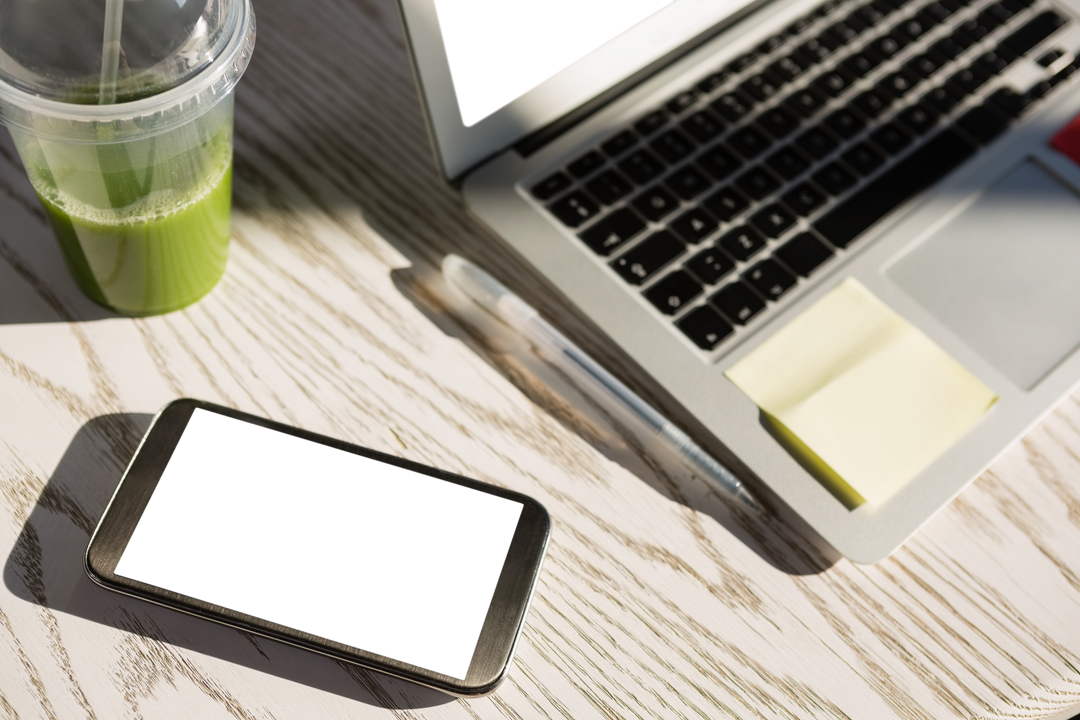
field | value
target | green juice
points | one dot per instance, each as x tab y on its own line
144	225
148	265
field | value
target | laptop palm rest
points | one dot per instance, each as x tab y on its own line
1002	273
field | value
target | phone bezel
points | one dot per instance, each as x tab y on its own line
506	614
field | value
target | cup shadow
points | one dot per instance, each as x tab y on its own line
35	284
46	568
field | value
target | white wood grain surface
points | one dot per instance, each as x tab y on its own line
655	601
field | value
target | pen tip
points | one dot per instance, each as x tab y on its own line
744	496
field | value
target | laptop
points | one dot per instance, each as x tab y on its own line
730	189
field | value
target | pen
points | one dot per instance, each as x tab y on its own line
498	300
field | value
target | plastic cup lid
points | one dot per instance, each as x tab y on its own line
105	60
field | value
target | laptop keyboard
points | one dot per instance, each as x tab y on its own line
719	202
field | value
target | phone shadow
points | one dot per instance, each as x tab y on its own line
46	568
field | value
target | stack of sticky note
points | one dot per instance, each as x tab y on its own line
863	399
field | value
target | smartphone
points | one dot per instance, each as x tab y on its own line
365	557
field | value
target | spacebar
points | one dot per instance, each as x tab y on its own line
917	171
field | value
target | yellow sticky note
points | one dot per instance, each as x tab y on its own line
858	393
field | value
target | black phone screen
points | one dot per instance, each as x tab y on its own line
324	541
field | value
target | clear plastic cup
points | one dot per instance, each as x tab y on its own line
126	135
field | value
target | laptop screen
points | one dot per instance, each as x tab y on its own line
500	50
492	72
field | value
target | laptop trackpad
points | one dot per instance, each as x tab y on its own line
1002	273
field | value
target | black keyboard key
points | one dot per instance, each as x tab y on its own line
710	265
1065	72
816	49
968	80
757	182
646	258
869	15
772	43
612	232
694	225
1016	6
778	121
804	253
738	302
733	105
790	162
703	125
891	138
726	203
651	122
673	146
551	186
743	61
655	203
817	141
897	84
994	16
888	45
935	13
682	101
773	220
846	123
1010	101
742	242
672	293
949	48
974	30
920	118
996	61
609	187
574	209
913	28
749	141
799	26
718	162
871	103
863	158
834	178
619	144
688	182
770	279
834	82
762	86
919	170
861	63
1050	57
587	164
642	166
705	327
942	98
843	32
806	102
788	68
713	81
804	198
1034	31
924	66
984	123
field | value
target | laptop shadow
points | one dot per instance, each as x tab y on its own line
778	535
45	567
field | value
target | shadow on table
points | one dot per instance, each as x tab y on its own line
45	567
779	536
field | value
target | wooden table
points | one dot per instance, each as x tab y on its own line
655	600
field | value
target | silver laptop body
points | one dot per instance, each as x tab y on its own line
975	242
